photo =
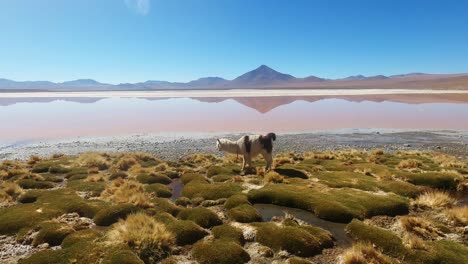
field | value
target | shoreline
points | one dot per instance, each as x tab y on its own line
227	93
174	146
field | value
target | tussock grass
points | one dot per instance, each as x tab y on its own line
126	162
412	241
419	227
9	191
435	200
94	160
409	164
127	191
33	159
459	215
143	233
364	253
273	177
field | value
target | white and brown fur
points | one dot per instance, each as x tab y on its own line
250	147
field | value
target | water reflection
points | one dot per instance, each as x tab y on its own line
37	118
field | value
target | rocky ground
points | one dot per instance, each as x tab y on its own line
175	146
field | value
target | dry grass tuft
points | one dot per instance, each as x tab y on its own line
260	171
94	160
9	191
409	164
144	234
364	254
273	177
161	167
126	162
365	171
127	191
34	159
238	178
278	161
412	241
95	178
419	227
435	200
459	215
377	152
33	176
447	161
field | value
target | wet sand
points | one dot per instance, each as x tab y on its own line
175	146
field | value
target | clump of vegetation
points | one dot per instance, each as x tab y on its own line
440	180
118	174
244	213
189	177
126	162
273	177
290	171
435	200
304	241
200	215
9	191
459	215
33	184
52	233
127	191
145	235
186	232
339	205
420	227
207	191
409	164
236	200
363	253
219	252
160	190
109	215
80	236
228	232
153	178
94	160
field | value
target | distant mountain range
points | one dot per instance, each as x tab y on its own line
260	78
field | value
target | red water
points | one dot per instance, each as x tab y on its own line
54	118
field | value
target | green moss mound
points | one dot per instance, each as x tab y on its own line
52	233
188	177
227	169
229	233
33	184
221	178
95	188
109	215
122	257
212	191
441	251
44	205
304	241
236	200
79	236
186	232
297	260
153	178
441	180
160	190
338	205
202	216
165	205
219	252
244	213
119	174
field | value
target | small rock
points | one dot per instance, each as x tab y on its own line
283	254
407	145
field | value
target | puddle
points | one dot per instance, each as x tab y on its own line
176	186
336	229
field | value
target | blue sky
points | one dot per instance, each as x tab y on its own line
180	40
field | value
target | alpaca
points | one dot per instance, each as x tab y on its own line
250	147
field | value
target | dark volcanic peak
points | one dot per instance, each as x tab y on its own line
313	79
263	75
377	77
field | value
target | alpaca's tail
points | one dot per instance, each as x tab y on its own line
271	136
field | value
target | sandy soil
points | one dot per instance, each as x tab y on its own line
229	93
175	146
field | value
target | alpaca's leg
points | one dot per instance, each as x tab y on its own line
269	161
249	160
243	161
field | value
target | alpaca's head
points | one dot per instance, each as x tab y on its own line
218	144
